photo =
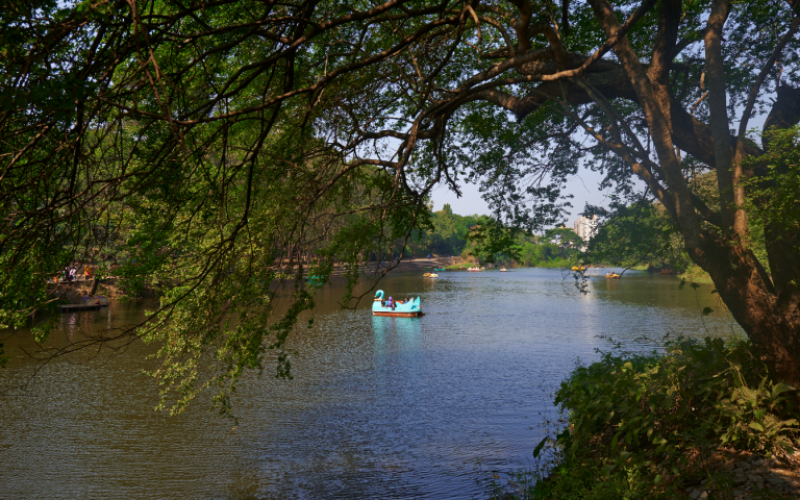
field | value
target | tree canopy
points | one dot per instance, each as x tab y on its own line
220	140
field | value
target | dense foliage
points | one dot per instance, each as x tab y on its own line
657	409
557	248
484	240
447	236
640	234
220	146
642	426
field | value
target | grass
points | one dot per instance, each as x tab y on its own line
695	274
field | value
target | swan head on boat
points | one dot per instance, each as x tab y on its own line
379	295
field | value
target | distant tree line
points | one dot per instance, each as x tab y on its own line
481	239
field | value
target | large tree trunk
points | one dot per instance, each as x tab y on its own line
771	320
770	316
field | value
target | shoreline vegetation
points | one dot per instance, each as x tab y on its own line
114	287
451	241
696	420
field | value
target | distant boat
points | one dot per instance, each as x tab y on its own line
613	276
403	309
503	269
430	275
578	268
475	269
315	281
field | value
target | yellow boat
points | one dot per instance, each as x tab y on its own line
578	268
614	276
430	275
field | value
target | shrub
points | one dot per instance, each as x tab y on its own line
657	410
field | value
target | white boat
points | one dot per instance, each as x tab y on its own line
475	269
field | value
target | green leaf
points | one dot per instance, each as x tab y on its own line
756	426
786	445
538	449
780	388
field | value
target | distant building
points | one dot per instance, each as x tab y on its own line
586	228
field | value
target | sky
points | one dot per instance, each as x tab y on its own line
584	187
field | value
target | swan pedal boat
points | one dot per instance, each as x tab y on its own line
409	309
475	269
578	268
430	275
614	276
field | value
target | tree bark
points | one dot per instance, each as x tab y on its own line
729	174
771	321
657	121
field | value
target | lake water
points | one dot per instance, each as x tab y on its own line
394	408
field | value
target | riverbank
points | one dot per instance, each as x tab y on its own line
413	265
72	292
114	288
697	420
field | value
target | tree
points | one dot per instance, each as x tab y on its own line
490	241
565	239
658	94
166	115
193	134
638	234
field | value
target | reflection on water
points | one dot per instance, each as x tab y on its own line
403	334
380	407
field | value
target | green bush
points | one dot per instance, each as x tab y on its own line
658	409
640	425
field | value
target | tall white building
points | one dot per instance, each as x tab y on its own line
586	228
